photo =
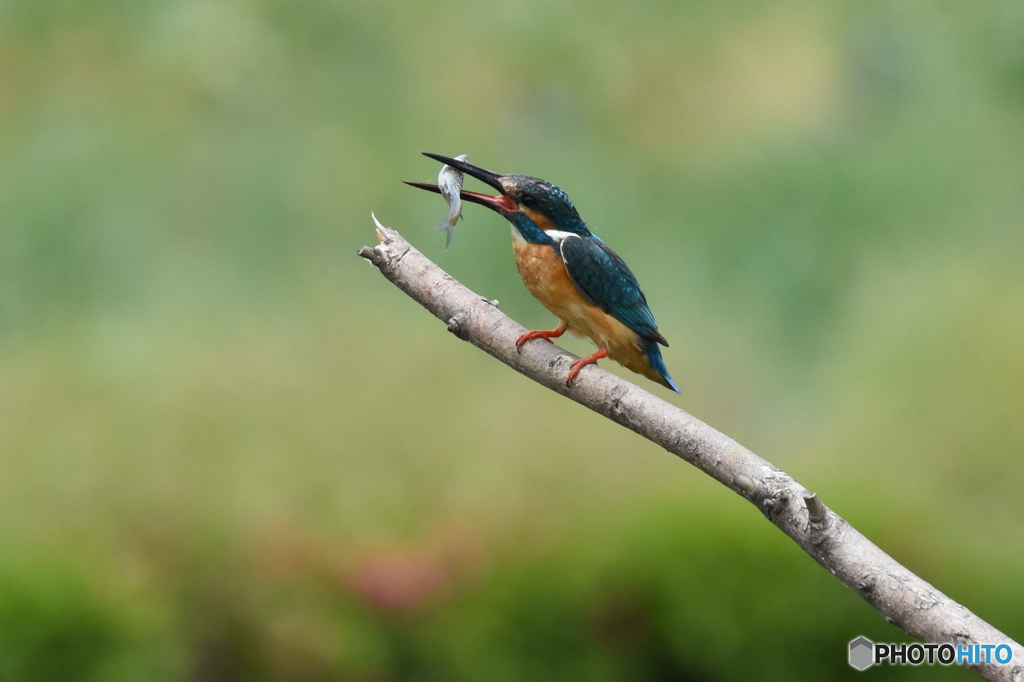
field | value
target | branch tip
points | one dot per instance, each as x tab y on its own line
386	235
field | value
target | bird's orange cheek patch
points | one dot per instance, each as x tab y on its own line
538	220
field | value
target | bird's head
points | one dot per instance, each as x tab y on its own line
534	206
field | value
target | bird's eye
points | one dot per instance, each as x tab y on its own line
528	201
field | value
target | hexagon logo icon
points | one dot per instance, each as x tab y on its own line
862	653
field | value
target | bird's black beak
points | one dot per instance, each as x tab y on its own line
501	203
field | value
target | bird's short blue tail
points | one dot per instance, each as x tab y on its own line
653	353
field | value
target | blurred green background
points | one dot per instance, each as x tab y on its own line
230	450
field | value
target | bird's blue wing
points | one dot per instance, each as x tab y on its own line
605	281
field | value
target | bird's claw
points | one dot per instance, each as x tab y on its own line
578	366
527	336
537	334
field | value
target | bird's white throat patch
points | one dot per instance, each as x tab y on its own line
556	235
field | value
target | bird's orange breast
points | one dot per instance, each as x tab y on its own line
545	276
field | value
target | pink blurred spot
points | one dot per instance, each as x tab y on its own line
402	581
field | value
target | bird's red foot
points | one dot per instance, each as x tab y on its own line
539	334
583	362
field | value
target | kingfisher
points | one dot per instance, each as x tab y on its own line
572	272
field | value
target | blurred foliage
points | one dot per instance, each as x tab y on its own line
230	451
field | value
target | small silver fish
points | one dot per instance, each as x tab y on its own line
449	181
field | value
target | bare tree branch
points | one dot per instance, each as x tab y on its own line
901	597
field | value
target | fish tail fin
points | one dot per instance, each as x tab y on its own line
449	227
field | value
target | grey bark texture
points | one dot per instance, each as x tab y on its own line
901	597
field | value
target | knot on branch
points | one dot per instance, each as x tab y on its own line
819	518
744	484
458	324
866	585
774	506
816	511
